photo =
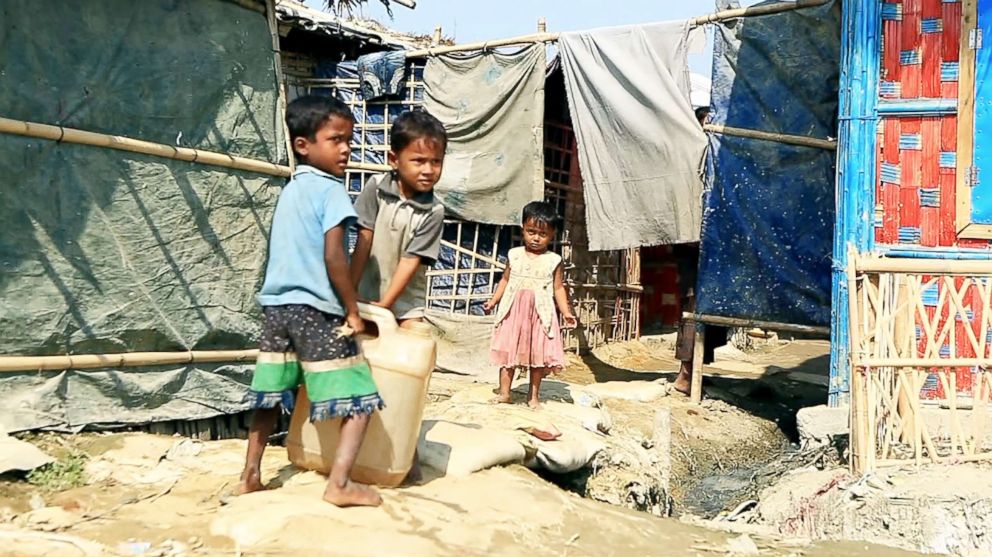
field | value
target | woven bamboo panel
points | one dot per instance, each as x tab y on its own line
916	187
920	348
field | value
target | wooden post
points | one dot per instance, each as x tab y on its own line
696	390
542	25
903	329
437	36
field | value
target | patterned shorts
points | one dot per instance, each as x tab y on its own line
304	346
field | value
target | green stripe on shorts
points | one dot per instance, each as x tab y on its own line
272	377
348	382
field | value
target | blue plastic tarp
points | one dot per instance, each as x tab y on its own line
768	215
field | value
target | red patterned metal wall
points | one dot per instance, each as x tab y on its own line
917	163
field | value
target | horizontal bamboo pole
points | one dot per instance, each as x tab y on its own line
126	359
788	139
924	266
923	363
551	37
755	11
80	137
739	322
370	167
483	45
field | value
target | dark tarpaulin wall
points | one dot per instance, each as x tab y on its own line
768	215
105	251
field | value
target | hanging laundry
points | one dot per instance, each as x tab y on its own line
492	105
640	146
381	74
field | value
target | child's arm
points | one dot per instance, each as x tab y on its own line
405	270
500	289
561	299
423	249
336	261
360	257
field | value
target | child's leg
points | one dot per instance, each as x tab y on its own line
341	491
339	384
534	392
505	382
277	376
263	421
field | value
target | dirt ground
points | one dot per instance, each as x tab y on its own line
157	495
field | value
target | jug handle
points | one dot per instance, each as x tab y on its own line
382	317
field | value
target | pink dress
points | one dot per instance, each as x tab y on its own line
527	333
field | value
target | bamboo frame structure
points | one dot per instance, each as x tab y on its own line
543	37
787	139
914	331
63	134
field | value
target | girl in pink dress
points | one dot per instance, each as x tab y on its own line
527	334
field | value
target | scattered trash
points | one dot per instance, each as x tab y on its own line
186	448
20	455
133	548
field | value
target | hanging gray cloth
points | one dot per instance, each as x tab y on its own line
640	146
492	105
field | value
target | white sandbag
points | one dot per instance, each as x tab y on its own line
638	391
567	454
597	420
459	450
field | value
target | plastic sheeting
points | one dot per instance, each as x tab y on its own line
768	217
104	251
640	147
492	104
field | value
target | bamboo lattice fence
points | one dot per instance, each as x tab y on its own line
920	350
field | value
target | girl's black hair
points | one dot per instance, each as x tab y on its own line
413	125
541	212
306	114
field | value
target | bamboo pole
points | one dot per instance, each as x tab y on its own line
925	266
858	418
699	347
126	359
270	16
753	11
368	166
743	322
924	362
788	139
80	137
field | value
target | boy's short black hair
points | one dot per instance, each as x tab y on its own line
306	114
541	212
413	125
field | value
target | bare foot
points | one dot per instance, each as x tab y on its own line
352	495
250	481
683	383
534	404
502	399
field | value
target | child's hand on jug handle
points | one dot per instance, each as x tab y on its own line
570	321
354	324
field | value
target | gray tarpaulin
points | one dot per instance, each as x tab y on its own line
492	105
104	251
640	146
